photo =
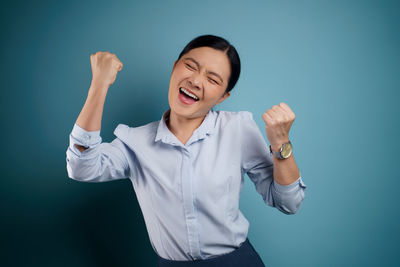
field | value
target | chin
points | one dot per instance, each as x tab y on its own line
185	112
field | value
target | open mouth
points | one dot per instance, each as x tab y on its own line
188	96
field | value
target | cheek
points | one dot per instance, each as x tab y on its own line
182	73
211	94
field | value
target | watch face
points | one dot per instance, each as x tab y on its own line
287	150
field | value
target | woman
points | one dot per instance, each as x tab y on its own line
187	168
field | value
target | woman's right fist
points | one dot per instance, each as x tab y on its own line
105	66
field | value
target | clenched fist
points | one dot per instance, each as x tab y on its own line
278	121
105	66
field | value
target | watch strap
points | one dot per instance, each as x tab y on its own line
278	154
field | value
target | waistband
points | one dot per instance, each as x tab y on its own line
244	255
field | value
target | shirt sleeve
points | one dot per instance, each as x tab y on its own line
100	162
257	162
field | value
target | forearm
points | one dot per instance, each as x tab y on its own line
92	112
285	170
105	66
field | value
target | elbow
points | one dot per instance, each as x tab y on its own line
81	171
81	177
289	209
289	200
76	175
290	204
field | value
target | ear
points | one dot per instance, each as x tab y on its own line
225	96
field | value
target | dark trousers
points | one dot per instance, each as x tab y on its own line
243	256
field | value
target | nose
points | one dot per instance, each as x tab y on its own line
195	80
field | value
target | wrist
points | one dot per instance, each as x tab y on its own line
98	86
277	146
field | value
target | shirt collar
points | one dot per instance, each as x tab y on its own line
206	127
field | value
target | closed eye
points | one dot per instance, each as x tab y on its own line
214	81
189	66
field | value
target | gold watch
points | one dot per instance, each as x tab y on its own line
284	152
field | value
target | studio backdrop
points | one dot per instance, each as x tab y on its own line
335	63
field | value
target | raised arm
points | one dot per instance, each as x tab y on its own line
88	158
105	67
259	165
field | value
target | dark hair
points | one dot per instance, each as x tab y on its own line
218	43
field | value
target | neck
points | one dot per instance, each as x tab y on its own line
183	127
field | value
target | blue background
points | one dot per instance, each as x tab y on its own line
335	63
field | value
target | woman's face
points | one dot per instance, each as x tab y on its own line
204	72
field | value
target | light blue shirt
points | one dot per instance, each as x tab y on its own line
188	193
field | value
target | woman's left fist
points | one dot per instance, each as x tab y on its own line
278	121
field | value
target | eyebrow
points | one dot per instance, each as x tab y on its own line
210	72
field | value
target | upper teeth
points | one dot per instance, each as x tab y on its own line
189	93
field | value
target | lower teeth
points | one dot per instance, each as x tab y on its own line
188	96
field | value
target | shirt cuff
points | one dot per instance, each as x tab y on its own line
287	188
84	138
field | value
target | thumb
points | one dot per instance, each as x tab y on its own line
120	67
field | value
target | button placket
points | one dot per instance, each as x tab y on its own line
188	197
